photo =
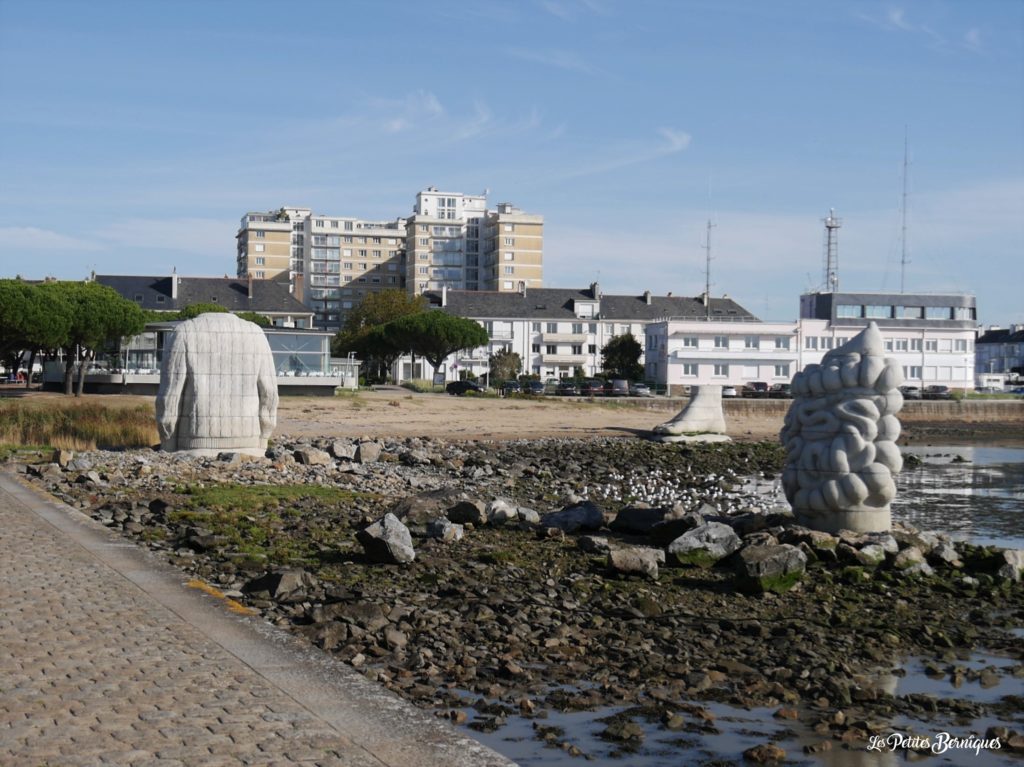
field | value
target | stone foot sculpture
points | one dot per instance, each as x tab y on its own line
840	437
702	420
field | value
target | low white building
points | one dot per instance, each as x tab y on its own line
557	330
999	355
931	335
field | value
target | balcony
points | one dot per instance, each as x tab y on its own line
564	359
564	338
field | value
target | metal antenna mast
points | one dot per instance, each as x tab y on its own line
832	224
903	237
707	272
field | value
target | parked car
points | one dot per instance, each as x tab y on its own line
910	392
458	388
591	388
937	392
780	391
1017	390
534	387
729	391
619	388
568	389
757	389
640	390
511	387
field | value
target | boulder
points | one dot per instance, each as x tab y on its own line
666	531
638	519
367	452
909	557
289	586
500	510
770	568
636	560
445	530
704	546
343	451
1012	567
311	456
582	516
473	512
387	541
423	507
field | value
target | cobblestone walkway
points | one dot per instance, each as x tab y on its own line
95	671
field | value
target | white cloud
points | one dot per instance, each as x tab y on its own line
20	238
615	158
559	59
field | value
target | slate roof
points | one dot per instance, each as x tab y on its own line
232	293
1001	336
559	303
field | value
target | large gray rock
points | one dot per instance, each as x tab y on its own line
287	586
635	560
367	452
473	512
704	546
772	568
311	456
840	437
218	388
1012	568
388	541
582	516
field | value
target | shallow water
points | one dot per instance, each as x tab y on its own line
974	494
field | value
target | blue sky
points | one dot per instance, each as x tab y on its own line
134	135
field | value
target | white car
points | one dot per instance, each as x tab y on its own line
640	390
729	391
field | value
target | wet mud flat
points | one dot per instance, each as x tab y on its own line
527	634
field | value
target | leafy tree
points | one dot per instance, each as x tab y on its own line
31	319
621	357
194	310
505	365
255	317
434	335
374	311
98	315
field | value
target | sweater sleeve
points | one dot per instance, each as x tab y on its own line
172	383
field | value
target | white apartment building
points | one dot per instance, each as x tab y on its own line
1000	352
450	241
557	330
931	335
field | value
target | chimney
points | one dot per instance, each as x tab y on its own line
647	297
444	296
595	290
250	287
522	288
174	283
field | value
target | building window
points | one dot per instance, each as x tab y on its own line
811	342
577	349
912	372
931	345
261	261
592	349
721	342
782	371
510	227
751	342
911	312
510	270
510	242
878	312
424	241
782	342
260	233
536	348
510	256
552	327
721	371
259	247
901	344
536	327
938	313
507	285
577	328
690	369
960	345
848	310
690	342
915	344
551	349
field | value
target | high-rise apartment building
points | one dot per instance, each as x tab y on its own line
451	240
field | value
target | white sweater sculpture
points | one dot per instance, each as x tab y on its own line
218	388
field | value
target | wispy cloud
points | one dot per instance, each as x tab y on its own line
22	238
896	19
202	236
559	59
674	141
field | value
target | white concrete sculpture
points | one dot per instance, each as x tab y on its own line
218	388
702	420
840	438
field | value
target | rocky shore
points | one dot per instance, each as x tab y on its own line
519	578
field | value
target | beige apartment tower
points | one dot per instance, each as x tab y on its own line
450	241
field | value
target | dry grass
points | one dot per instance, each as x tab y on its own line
76	425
